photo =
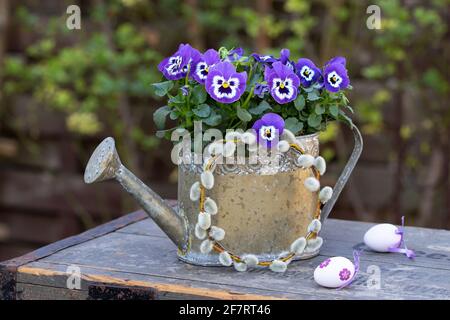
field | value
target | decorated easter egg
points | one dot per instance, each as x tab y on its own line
381	237
334	272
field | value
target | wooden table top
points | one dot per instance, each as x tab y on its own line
131	258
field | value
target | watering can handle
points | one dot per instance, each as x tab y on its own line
357	149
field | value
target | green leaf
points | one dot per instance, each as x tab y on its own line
173	115
317	85
202	110
260	108
214	119
312	96
334	111
198	94
161	88
319	109
293	125
334	96
314	120
302	116
299	103
159	116
244	115
164	133
177	100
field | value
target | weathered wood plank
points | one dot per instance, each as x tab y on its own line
55	274
75	240
432	246
139	255
397	282
28	291
8	269
155	256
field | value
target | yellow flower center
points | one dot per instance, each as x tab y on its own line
225	85
282	85
334	78
207	69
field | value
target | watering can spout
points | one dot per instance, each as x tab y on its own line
105	164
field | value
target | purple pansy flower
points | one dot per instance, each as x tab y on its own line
176	66
235	54
224	84
264	59
338	59
325	263
284	59
268	129
335	77
261	89
344	274
307	72
282	81
201	68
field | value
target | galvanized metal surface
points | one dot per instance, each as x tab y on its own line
346	172
262	207
105	164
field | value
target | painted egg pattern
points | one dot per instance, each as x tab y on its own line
334	272
381	237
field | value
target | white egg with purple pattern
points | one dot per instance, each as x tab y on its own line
381	237
334	272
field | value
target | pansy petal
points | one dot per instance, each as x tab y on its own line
211	57
257	125
307	72
338	59
268	73
284	55
224	84
335	77
176	66
274	119
280	69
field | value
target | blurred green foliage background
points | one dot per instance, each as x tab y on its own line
98	78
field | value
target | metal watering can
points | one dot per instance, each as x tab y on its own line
261	213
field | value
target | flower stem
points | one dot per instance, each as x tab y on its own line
247	100
186	79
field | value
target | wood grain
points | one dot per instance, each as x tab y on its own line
138	259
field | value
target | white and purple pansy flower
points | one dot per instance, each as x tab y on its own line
269	129
283	82
176	66
284	59
338	59
261	89
264	59
307	72
335	77
224	84
235	54
201	67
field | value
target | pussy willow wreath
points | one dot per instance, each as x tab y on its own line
213	235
